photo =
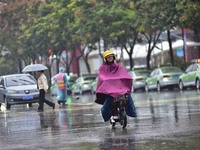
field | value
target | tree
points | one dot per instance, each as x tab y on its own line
156	15
12	16
112	21
189	16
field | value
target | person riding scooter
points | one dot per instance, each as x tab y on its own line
113	82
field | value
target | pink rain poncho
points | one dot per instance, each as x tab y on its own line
113	80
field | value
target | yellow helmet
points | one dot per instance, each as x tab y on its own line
106	53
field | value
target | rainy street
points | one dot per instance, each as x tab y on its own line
166	120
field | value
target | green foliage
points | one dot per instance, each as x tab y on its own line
189	12
7	66
30	28
156	15
178	61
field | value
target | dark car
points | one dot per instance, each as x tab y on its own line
18	89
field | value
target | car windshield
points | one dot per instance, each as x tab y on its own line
20	80
167	70
142	73
72	79
89	78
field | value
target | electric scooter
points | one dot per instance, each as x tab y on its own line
121	117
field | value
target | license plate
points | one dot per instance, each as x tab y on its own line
175	76
27	97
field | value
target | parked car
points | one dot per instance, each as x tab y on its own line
18	89
191	77
83	84
71	80
139	77
162	77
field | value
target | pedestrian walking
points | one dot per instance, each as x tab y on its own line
43	89
62	84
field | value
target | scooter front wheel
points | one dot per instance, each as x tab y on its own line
124	122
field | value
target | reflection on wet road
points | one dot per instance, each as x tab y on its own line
166	120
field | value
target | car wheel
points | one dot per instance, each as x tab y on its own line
92	91
8	106
80	91
73	92
146	88
133	90
30	105
197	84
158	87
181	86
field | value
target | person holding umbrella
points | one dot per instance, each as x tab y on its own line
41	83
43	89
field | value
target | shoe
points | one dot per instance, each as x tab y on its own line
112	120
39	110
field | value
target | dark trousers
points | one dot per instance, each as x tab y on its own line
107	109
42	100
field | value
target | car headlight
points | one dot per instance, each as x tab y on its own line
11	91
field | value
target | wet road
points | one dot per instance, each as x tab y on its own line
166	120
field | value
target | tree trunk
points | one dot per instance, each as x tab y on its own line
99	45
197	37
57	64
20	65
131	62
170	47
196	33
77	66
67	65
70	61
148	59
87	63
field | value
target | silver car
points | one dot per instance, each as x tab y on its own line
139	77
18	89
